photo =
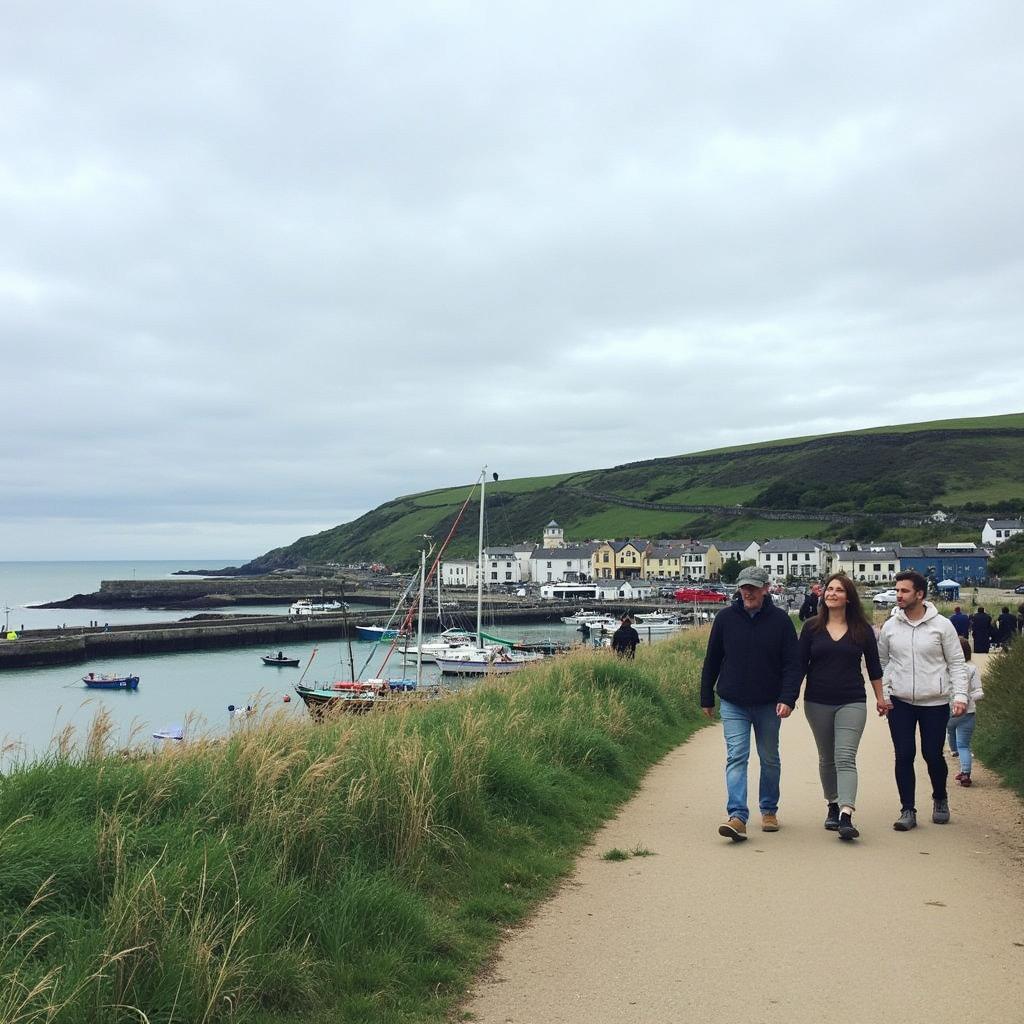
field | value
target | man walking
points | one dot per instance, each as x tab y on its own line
923	668
961	622
753	660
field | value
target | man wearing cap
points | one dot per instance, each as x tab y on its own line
753	660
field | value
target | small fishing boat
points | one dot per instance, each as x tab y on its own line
280	660
106	681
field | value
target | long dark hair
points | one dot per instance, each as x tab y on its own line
856	621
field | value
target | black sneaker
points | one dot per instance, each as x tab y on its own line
847	830
940	812
832	818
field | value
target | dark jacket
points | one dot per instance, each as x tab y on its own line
753	660
981	631
1006	626
810	606
624	641
961	623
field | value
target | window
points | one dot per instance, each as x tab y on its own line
508	576
807	557
494	576
780	556
877	567
548	565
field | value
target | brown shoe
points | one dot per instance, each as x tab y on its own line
769	823
734	829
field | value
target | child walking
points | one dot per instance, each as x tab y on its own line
960	730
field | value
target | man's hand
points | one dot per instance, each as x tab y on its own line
959	707
883	707
783	710
709	712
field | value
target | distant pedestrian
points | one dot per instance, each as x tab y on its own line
832	646
1005	627
961	729
981	630
925	673
961	621
753	661
625	639
809	608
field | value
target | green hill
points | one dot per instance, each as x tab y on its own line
881	482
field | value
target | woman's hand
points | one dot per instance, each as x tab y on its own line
883	706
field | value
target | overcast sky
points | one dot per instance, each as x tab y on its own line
266	266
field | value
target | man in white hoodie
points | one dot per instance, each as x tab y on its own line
924	672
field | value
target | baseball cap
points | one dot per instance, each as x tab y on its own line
752	576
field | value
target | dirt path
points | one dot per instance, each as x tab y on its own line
797	926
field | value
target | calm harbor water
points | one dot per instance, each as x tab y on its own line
190	688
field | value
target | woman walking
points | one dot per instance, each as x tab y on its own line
832	645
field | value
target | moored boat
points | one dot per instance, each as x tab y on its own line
377	633
280	660
107	681
307	606
362	695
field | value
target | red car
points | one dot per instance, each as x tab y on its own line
688	595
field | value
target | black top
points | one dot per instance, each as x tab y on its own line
832	666
753	659
624	640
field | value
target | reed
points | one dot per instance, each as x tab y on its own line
999	739
358	869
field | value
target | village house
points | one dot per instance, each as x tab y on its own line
867	566
720	551
565	564
963	563
502	566
782	558
459	572
619	559
996	531
693	562
661	561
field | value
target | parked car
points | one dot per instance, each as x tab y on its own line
700	595
885	597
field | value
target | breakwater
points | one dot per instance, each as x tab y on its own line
66	647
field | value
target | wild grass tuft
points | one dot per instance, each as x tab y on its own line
357	869
999	739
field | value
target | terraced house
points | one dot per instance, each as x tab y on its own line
619	559
782	558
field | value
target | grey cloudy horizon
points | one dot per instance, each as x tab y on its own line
265	268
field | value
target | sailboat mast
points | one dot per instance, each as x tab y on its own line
480	565
419	632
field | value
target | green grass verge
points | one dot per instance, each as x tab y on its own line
999	739
361	869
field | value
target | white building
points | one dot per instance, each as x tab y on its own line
554	535
458	572
742	550
782	558
995	531
867	566
561	565
501	565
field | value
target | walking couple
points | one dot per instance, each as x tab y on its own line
757	665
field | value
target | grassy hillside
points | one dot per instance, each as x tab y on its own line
863	484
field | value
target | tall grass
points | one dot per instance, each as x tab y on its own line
999	739
356	869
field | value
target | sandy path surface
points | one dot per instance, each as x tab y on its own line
795	926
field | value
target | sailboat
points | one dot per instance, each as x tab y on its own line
480	658
361	695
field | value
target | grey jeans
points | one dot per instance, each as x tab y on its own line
837	730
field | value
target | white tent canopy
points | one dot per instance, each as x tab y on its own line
947	584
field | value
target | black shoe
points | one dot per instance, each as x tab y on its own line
832	818
847	830
908	820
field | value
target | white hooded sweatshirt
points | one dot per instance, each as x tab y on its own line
922	660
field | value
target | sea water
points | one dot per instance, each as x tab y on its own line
194	689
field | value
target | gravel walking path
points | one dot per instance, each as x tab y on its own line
795	926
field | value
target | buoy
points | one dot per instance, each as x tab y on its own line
231	707
287	698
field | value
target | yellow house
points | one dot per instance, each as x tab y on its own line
661	562
619	559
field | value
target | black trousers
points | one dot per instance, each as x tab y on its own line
904	721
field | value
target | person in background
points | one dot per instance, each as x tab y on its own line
832	646
1005	627
961	621
753	660
809	608
625	639
922	661
981	630
961	729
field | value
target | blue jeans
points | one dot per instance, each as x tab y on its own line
959	732
737	721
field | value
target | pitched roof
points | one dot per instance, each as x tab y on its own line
788	544
1005	524
576	551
